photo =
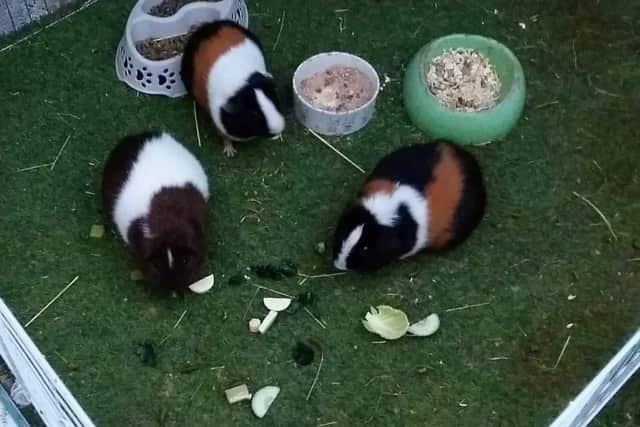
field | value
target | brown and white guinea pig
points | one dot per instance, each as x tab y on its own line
423	196
224	70
155	192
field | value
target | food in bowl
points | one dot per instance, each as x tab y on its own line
464	80
338	88
157	49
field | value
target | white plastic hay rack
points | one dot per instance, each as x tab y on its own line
42	386
163	77
586	406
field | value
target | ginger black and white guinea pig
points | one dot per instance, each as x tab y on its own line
424	196
155	193
224	70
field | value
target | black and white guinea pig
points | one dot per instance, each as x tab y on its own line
155	192
423	196
224	70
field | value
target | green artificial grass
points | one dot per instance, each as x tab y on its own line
491	365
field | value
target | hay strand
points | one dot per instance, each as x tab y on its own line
246	311
30	168
274	291
54	299
284	16
466	307
64	145
318	321
325	142
315	380
561	355
599	212
195	121
320	276
180	319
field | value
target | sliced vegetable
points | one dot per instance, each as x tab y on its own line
425	327
267	322
388	322
203	285
237	394
277	304
263	398
97	231
254	325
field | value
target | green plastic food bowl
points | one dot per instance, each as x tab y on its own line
438	121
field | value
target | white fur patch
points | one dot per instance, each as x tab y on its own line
162	162
275	121
230	73
170	258
347	246
384	207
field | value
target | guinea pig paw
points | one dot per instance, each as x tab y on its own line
228	150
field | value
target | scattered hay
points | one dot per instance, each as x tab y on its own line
157	49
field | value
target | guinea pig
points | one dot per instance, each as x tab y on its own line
155	193
424	196
224	70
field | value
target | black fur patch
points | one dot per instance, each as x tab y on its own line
379	244
289	98
204	32
411	165
353	215
241	116
118	165
268	87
